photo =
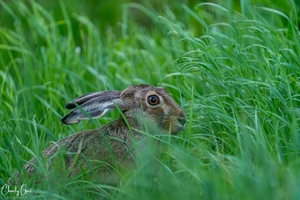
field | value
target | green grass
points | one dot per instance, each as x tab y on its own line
233	67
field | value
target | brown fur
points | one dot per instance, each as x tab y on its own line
112	144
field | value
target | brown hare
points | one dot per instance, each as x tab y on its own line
143	108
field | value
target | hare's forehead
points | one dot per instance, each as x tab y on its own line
155	91
142	93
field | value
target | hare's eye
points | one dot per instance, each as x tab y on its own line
153	100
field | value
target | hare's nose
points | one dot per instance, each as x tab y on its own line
182	118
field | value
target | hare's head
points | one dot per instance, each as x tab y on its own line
138	102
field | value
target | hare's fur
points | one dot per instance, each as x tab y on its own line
112	144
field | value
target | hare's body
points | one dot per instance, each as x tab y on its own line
144	108
98	150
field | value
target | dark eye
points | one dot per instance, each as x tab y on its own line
153	100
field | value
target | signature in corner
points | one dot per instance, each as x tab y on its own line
21	191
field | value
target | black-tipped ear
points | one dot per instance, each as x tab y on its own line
105	95
92	105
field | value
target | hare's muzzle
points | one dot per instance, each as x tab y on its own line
179	124
182	119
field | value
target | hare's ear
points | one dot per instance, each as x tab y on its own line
92	105
86	97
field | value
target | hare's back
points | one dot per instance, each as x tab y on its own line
92	145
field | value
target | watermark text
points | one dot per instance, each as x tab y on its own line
21	191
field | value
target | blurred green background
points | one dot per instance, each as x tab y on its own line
108	13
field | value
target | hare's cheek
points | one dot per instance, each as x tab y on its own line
157	112
165	125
